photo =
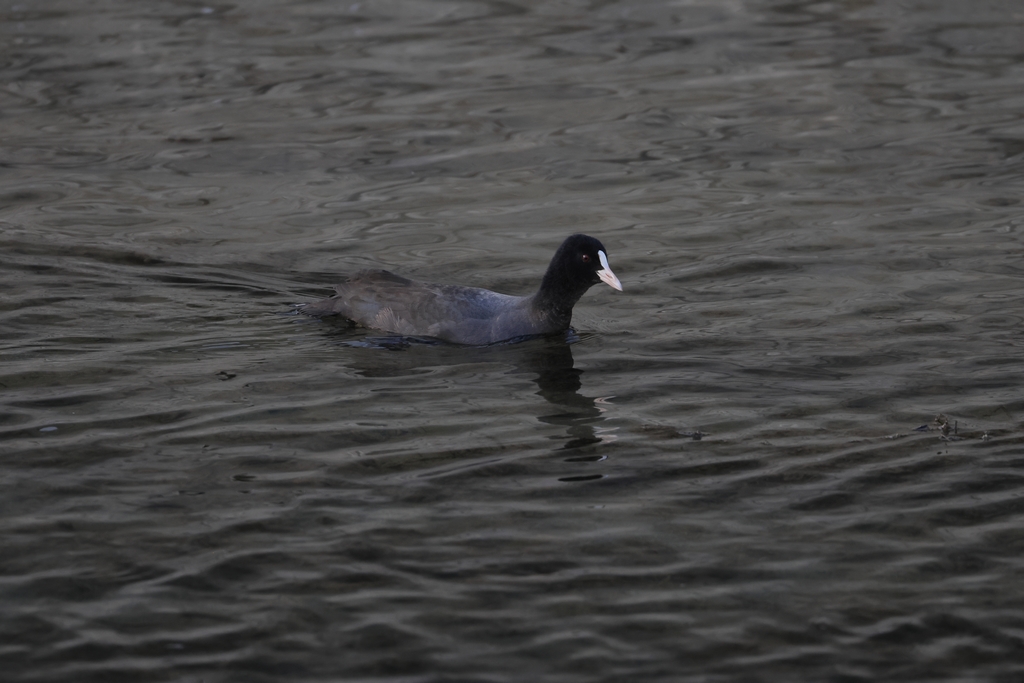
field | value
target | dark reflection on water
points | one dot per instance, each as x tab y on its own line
734	471
548	361
559	384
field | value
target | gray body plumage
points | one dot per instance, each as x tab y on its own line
463	315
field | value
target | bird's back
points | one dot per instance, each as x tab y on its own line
465	315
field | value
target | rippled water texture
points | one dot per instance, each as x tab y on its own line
733	470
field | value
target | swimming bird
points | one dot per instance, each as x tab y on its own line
384	301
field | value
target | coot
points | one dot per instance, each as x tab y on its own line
468	315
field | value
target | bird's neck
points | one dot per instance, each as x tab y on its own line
554	304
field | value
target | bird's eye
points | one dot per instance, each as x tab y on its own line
585	258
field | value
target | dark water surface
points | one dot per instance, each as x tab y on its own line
733	471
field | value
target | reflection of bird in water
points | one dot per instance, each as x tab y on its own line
559	383
547	360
